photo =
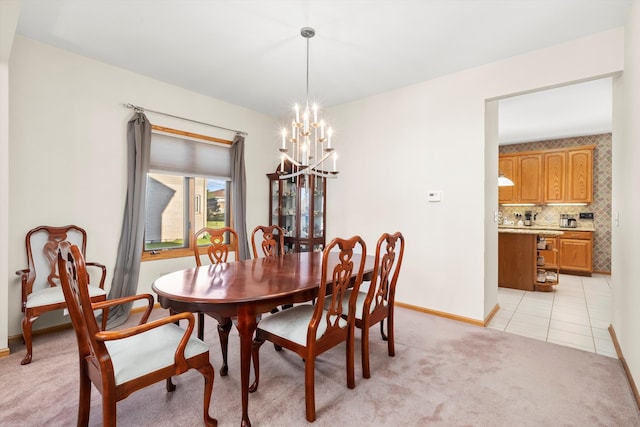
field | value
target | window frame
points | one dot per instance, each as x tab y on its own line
170	253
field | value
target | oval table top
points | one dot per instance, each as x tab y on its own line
246	281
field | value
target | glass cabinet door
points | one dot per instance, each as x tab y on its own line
318	208
275	202
289	208
305	201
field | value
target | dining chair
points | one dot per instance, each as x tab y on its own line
271	241
375	303
41	292
311	329
271	245
122	361
219	243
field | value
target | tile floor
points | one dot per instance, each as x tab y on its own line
576	314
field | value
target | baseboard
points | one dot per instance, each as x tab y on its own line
443	314
39	332
493	313
627	371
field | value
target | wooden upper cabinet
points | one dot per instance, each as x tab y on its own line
555	181
580	175
553	176
508	166
568	175
530	178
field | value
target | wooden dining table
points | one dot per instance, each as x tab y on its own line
245	289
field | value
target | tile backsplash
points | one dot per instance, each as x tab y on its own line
601	206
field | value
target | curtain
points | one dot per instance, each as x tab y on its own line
238	195
127	268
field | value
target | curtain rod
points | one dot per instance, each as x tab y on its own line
142	110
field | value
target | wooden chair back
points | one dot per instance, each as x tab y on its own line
336	282
382	292
271	239
221	240
42	255
73	274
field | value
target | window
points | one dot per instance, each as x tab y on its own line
188	188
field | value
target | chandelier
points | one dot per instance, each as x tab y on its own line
308	148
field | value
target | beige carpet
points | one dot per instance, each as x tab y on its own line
445	373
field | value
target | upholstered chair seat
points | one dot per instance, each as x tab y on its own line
142	354
55	296
293	324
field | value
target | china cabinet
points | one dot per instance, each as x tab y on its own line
298	205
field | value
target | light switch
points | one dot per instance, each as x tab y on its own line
434	196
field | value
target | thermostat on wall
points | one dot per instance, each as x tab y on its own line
434	196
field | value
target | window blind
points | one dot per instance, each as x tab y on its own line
184	156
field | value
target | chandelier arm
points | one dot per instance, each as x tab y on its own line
292	160
307	171
325	157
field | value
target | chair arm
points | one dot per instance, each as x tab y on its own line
180	360
26	289
117	301
101	267
24	271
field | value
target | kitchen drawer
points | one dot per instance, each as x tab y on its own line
582	235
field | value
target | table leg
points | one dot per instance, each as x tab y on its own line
246	328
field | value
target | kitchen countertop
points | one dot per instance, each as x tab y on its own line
545	227
530	230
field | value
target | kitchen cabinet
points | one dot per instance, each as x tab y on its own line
552	176
576	252
530	178
525	170
519	260
580	175
555	181
568	175
508	166
298	205
548	266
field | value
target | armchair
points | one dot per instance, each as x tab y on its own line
40	280
120	362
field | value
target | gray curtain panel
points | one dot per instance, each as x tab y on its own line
238	195
127	269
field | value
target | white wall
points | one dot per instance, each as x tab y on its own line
67	157
397	146
625	201
9	11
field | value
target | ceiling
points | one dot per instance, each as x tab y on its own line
251	53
